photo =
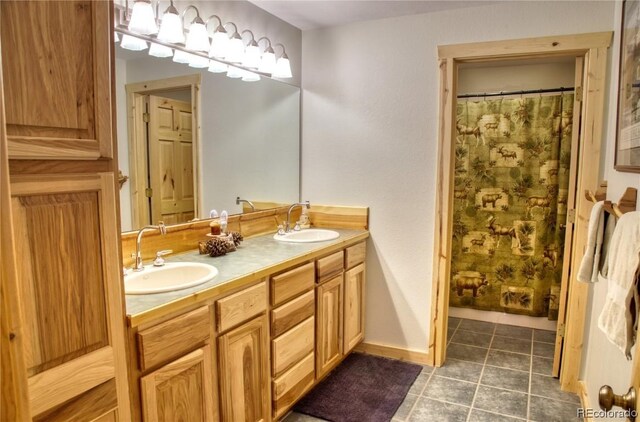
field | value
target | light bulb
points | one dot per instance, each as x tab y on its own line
250	76
235	72
251	56
217	67
142	19
198	38
198	62
158	50
133	43
283	68
171	30
181	56
235	53
219	45
267	62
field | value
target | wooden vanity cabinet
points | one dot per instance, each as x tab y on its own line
354	296
244	372
181	390
329	314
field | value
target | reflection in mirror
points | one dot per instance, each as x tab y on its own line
192	141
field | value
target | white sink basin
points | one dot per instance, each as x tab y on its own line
308	236
170	277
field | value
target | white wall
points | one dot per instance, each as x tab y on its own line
250	135
526	75
602	362
370	118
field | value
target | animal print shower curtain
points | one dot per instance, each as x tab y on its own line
512	160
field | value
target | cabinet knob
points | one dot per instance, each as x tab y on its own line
607	399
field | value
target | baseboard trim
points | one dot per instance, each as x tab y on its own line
413	356
584	398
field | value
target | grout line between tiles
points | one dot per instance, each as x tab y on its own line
473	402
420	395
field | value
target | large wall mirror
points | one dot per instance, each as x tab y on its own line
191	141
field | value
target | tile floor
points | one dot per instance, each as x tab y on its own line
493	372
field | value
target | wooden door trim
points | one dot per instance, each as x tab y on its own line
137	147
593	48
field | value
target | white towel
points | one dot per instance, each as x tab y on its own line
616	320
590	264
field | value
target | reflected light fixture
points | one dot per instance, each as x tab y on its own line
251	53
217	67
235	72
133	43
181	56
219	40
249	76
142	19
171	29
283	66
159	50
268	59
235	52
197	61
197	38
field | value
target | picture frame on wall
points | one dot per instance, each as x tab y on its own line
627	153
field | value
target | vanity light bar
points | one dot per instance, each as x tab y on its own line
222	50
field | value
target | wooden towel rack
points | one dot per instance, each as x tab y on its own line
626	203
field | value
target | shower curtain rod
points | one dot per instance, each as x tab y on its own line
523	92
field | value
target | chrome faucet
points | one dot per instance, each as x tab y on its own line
163	230
238	200
287	227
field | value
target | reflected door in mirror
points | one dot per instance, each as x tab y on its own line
170	161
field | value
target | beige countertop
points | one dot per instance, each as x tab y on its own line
254	259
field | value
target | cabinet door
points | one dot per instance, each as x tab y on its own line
181	390
70	288
56	59
244	372
354	281
329	325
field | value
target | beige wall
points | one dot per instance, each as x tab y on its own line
370	119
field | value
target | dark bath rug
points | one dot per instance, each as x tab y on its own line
363	388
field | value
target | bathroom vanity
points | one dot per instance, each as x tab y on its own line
248	344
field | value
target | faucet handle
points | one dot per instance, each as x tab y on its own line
280	230
159	261
296	228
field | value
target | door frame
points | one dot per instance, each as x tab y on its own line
138	151
592	47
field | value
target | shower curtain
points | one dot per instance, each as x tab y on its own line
512	158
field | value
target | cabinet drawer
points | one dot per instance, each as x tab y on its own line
239	307
292	385
292	313
290	284
355	254
290	347
330	266
173	338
